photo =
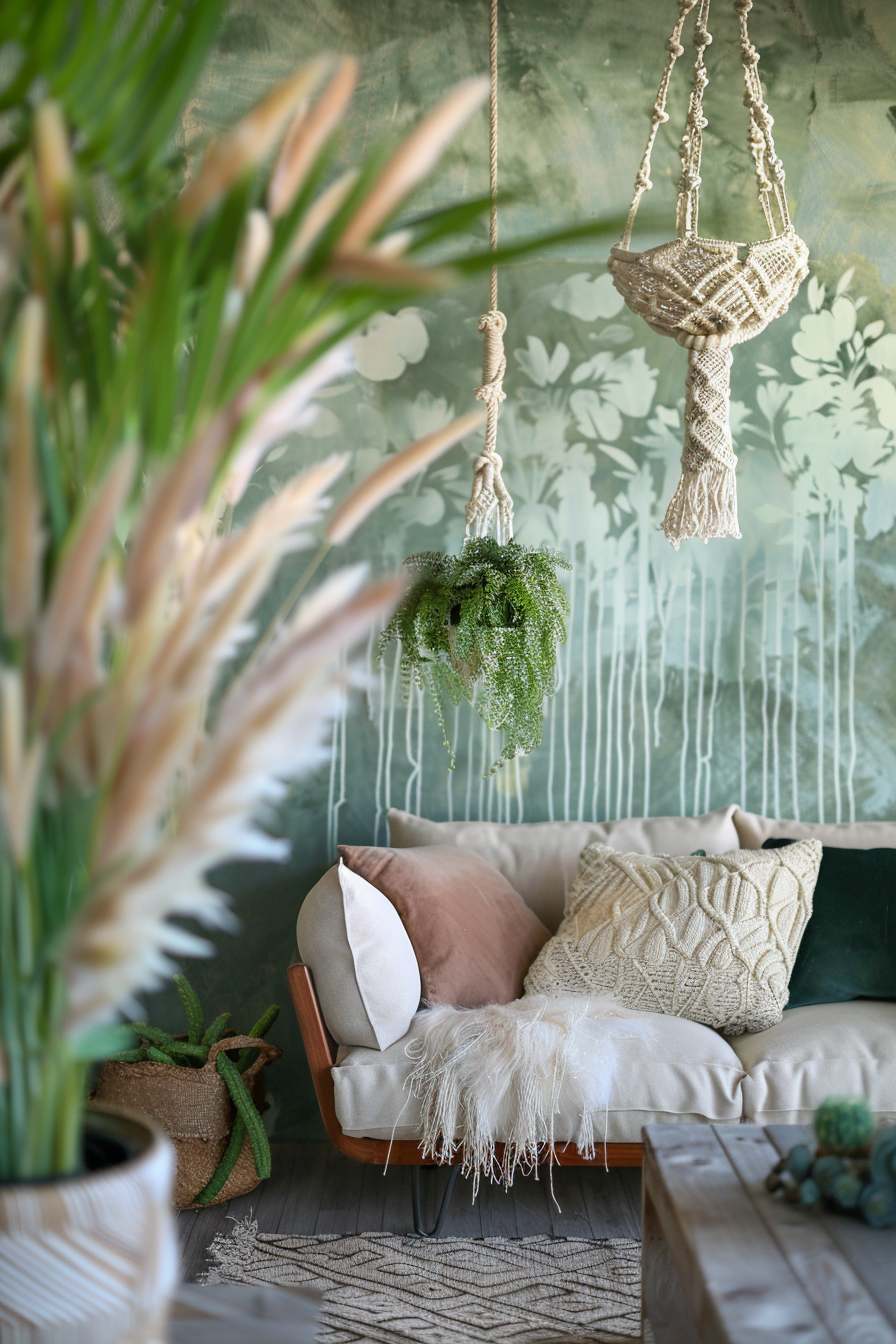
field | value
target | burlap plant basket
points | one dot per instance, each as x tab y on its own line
194	1108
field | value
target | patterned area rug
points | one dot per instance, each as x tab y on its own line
385	1289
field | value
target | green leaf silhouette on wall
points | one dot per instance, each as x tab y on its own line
728	671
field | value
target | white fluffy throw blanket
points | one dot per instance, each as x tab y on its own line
503	1073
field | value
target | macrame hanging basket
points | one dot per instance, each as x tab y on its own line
708	294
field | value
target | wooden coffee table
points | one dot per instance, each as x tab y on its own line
240	1313
727	1263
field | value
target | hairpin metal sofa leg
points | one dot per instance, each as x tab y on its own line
419	1229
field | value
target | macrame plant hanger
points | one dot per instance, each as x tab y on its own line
490	505
484	626
706	293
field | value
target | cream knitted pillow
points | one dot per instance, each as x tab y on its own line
711	939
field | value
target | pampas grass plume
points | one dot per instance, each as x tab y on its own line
289	410
254	249
270	726
22	504
20	765
374	268
178	494
412	161
320	213
296	504
229	158
307	136
392	474
73	584
54	166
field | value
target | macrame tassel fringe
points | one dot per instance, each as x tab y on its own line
705	502
704	505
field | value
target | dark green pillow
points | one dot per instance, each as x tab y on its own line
849	947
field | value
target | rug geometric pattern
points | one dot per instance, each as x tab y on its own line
385	1289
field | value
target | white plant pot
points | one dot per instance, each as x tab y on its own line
92	1259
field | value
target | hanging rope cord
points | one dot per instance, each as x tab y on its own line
769	168
490	506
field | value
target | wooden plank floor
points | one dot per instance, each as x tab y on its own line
314	1190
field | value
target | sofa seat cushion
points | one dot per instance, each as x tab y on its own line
541	858
818	1051
677	1071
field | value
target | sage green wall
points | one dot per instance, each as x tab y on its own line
756	671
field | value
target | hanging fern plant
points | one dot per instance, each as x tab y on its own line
484	626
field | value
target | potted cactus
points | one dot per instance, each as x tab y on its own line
205	1089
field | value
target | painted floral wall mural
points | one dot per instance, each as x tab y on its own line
727	671
757	671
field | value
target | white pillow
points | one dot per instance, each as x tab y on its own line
540	859
755	830
365	972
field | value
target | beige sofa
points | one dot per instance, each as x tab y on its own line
679	1070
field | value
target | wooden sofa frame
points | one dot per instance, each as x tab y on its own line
321	1051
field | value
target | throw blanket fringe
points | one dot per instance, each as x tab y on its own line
502	1074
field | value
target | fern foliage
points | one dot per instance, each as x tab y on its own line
484	626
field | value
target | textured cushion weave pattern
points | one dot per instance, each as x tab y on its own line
710	939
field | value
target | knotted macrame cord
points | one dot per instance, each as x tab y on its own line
490	504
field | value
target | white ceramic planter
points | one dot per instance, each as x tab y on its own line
92	1259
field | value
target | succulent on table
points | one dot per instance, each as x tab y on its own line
853	1167
844	1125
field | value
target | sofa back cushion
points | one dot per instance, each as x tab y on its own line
753	831
849	949
710	939
362	961
540	859
473	935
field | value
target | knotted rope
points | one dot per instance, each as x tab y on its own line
705	292
769	168
490	503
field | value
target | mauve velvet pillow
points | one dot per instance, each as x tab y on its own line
474	936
